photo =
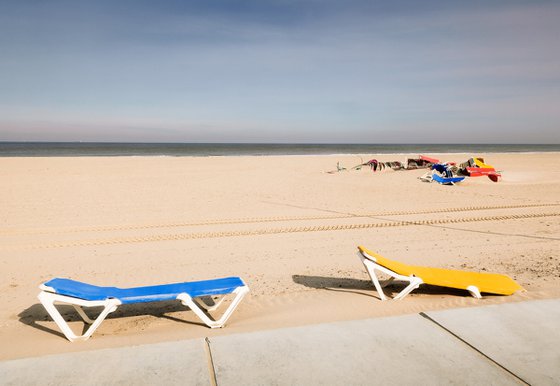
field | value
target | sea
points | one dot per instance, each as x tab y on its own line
112	149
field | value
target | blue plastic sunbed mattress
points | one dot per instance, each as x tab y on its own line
155	293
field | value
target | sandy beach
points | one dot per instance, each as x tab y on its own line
281	223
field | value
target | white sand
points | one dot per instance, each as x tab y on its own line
134	221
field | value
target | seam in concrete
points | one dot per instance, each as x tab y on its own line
211	369
474	348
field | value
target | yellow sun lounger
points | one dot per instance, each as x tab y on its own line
480	163
474	282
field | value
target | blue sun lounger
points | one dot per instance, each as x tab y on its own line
447	180
191	294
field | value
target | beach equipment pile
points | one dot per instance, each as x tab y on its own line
445	173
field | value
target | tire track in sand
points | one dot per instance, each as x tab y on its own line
257	220
271	231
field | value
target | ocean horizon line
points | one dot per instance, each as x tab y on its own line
202	149
286	143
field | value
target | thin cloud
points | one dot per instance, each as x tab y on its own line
306	71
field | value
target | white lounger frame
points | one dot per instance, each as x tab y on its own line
414	281
426	177
49	298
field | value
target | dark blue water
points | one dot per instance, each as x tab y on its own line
103	149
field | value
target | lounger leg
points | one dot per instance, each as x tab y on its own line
371	271
188	301
216	305
474	291
387	282
83	314
48	300
414	283
371	267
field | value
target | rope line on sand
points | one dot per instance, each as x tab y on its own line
258	232
268	219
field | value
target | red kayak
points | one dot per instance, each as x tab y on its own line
430	160
490	172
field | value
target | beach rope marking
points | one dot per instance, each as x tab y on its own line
250	220
259	232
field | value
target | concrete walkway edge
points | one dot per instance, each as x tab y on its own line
508	344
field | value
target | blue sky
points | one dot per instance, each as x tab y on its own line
285	71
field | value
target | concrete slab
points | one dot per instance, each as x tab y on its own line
176	363
397	350
523	337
